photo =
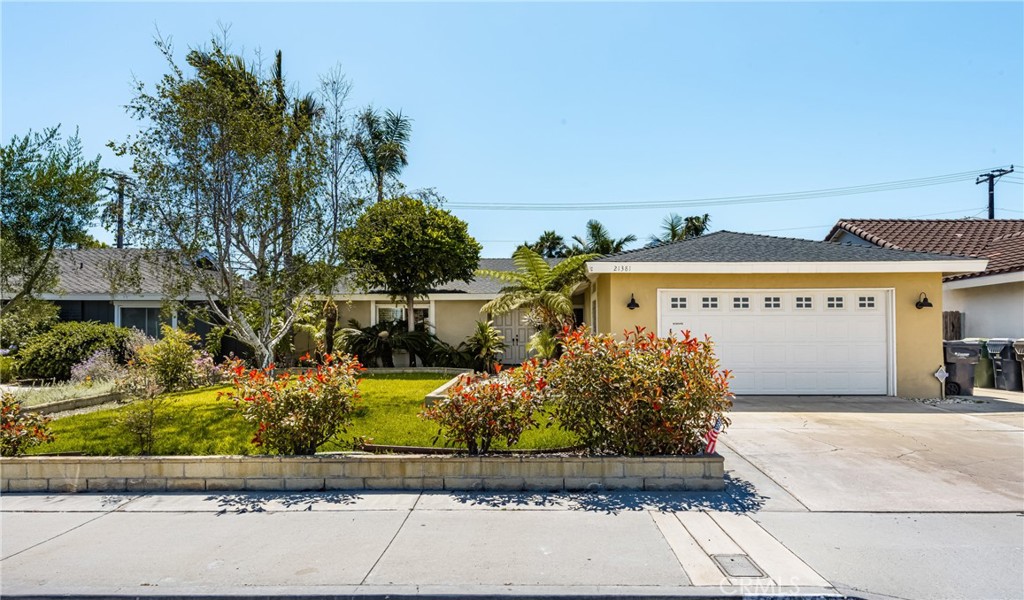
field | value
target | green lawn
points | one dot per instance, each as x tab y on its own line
200	423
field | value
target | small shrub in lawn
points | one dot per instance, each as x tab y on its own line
643	395
140	419
481	409
172	359
207	372
19	430
295	414
102	366
51	355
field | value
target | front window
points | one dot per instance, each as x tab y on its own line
144	318
394	314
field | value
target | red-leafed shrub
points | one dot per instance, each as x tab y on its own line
19	430
643	395
482	408
295	414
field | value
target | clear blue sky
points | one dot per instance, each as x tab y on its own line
596	103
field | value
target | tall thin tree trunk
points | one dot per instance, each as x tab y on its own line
330	322
410	318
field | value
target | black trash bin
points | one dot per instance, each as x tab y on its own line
1018	349
961	357
983	370
1004	365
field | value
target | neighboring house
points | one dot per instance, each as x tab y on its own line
991	300
113	285
451	312
787	316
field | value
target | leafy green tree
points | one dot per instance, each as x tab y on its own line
550	245
599	241
381	144
50	195
228	173
675	228
406	248
542	289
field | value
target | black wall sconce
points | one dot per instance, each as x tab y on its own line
632	305
922	302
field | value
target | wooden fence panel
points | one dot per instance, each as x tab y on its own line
952	325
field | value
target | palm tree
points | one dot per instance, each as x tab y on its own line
675	228
599	241
549	245
382	145
542	289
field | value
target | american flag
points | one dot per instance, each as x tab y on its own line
712	436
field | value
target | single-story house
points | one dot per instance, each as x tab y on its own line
788	316
991	300
110	285
123	286
450	311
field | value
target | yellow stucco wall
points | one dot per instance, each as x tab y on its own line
356	309
918	332
456	319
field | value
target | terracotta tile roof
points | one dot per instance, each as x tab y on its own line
999	240
1005	255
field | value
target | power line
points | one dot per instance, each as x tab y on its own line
948	212
725	200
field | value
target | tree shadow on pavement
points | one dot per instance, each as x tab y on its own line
740	496
257	502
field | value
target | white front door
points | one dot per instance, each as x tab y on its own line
516	336
818	341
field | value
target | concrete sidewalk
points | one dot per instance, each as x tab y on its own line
874	498
395	544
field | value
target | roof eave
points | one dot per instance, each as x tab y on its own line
946	267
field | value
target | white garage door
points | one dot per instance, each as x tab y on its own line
790	341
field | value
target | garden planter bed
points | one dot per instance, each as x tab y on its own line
360	472
75	403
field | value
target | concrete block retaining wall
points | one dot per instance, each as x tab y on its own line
359	472
75	403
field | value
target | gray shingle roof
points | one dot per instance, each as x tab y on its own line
93	271
478	285
728	246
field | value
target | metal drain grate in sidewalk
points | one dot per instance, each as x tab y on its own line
737	565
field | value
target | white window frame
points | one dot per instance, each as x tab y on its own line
140	304
418	305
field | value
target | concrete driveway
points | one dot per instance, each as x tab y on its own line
887	497
883	454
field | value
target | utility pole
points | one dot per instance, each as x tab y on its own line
991	177
121	179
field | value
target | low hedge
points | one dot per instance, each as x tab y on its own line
51	355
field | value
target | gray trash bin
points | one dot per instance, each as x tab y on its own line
1005	365
961	357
